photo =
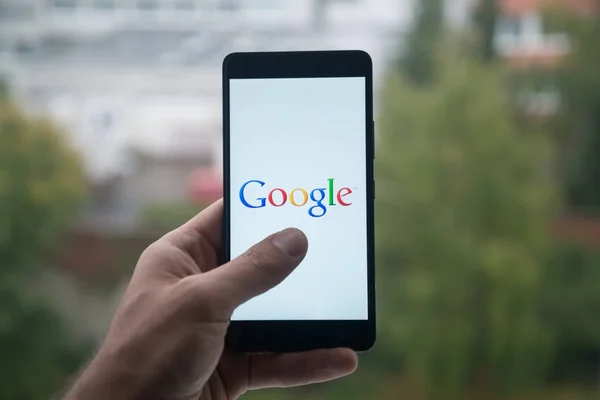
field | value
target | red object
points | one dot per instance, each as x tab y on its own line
519	7
547	58
206	186
579	228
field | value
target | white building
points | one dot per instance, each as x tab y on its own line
135	80
123	74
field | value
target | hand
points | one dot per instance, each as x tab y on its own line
167	338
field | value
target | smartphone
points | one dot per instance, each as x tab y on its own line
298	152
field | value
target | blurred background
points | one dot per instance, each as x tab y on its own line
487	167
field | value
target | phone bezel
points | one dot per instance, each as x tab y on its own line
302	335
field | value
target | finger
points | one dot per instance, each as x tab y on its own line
287	370
259	269
200	237
208	223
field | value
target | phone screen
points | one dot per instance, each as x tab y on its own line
298	159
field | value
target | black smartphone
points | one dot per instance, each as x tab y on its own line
298	152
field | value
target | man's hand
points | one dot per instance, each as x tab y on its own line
167	338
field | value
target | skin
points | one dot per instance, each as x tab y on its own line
167	338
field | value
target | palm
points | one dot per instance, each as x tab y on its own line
195	253
231	375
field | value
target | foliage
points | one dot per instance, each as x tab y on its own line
417	62
573	272
475	300
3	90
168	216
570	302
369	382
40	186
462	216
578	123
486	19
571	281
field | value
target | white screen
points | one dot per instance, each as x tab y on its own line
299	133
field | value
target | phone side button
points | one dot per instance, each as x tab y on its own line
373	138
374	191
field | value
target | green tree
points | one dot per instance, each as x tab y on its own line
570	302
41	184
3	89
578	122
486	18
463	208
417	61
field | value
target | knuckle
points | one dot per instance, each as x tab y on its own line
150	252
156	251
163	254
198	302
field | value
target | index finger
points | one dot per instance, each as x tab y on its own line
206	225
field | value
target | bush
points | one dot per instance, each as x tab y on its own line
571	301
463	209
41	184
161	217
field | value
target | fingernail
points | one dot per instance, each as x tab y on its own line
291	241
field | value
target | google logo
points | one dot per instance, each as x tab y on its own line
277	197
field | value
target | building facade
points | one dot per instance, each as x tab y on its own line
133	80
524	41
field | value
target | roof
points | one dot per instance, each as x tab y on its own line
517	7
579	228
544	59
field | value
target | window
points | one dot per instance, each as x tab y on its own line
540	102
102	124
264	4
105	121
147	4
16	11
185	4
24	48
228	5
104	4
510	26
64	3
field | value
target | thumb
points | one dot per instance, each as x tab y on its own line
259	269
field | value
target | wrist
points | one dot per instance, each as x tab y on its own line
105	378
